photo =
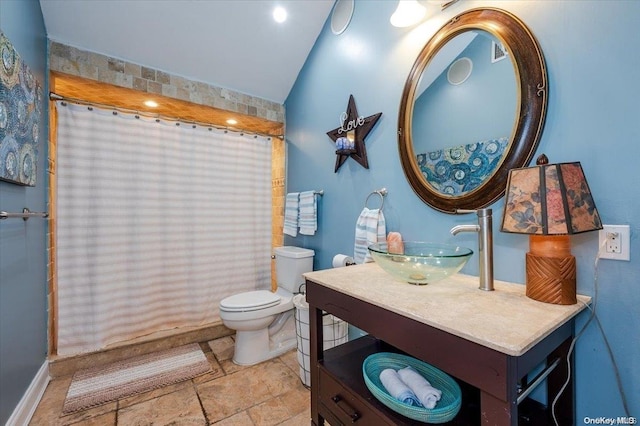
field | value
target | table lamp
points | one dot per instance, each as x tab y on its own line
550	202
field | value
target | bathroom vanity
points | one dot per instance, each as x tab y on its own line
489	341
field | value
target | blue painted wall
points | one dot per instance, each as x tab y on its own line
23	261
590	50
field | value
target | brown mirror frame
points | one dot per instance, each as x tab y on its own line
531	74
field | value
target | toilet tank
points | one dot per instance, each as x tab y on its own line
291	263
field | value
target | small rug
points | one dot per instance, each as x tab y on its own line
99	385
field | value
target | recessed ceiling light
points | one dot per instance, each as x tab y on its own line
151	104
231	121
279	14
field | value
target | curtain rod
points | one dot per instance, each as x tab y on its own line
25	215
55	97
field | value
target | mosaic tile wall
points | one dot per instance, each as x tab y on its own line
94	66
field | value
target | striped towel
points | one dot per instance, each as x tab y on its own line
291	214
308	218
370	229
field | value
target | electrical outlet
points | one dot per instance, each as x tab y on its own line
615	242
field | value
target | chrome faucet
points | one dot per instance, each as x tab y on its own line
484	228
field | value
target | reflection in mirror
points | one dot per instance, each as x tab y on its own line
462	85
472	108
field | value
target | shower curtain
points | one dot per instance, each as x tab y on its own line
157	221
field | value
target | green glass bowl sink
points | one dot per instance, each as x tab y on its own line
421	262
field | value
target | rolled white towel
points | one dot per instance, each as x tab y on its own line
396	388
427	394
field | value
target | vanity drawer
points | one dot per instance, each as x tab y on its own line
343	396
342	404
347	407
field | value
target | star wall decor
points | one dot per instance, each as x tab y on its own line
349	137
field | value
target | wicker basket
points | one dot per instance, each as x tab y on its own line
446	409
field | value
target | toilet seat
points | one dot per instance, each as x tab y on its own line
250	301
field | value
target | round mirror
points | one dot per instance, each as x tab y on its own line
473	108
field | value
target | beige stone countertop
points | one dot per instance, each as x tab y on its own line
505	319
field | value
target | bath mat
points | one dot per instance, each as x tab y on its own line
99	385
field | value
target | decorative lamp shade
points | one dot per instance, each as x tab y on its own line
550	202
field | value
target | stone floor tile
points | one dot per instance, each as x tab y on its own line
269	413
302	419
229	367
216	370
85	414
177	408
50	405
108	419
290	359
296	400
49	410
269	393
240	419
222	348
137	399
276	376
232	394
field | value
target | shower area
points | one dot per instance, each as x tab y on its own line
155	218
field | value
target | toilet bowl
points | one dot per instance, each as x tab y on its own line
263	320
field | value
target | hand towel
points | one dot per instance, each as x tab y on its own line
370	229
291	207
427	394
397	388
308	216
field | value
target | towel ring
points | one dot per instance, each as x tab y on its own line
380	192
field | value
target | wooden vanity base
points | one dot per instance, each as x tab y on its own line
490	379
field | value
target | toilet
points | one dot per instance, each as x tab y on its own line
264	321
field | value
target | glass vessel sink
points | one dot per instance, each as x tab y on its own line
421	262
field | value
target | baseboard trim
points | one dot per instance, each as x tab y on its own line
30	400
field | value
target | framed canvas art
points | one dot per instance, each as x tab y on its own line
20	100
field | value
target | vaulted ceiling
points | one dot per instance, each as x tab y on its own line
235	44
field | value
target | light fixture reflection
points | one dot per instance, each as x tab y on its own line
151	104
408	12
231	121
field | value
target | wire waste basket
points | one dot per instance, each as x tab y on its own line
334	330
